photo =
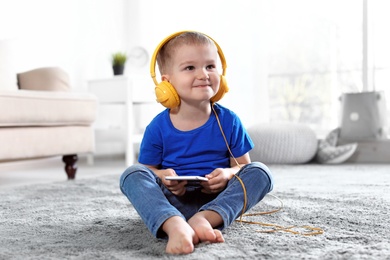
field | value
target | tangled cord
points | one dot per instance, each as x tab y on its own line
309	230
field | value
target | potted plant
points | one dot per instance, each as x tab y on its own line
118	62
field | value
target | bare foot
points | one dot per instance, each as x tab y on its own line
202	223
181	237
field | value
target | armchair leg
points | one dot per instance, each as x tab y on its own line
70	165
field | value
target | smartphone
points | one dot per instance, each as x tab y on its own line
186	178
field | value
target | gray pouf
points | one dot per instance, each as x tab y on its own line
283	143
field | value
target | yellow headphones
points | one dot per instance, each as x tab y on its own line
166	93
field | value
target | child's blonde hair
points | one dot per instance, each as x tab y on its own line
164	56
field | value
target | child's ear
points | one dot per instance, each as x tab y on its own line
165	77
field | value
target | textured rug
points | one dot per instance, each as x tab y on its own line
91	219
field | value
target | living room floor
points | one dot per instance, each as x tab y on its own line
14	174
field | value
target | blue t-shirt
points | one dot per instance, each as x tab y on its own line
195	152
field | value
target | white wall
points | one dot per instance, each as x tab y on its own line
77	35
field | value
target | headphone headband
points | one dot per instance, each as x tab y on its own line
170	37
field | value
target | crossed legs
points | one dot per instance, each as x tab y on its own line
160	214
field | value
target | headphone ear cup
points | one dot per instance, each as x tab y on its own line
223	89
166	95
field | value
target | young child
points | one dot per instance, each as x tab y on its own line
194	136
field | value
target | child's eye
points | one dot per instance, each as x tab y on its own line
209	67
189	68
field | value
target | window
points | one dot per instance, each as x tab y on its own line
317	53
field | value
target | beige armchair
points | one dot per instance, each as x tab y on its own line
44	118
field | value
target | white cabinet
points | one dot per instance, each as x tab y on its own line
126	105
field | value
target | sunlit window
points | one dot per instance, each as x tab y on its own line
316	54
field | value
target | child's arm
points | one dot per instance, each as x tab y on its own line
241	161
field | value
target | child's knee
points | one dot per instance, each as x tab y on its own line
264	171
136	168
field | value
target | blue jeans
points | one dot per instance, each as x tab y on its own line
155	203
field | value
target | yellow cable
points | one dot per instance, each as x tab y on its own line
313	230
234	158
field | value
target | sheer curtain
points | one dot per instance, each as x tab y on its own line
380	42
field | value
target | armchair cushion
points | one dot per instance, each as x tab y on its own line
44	108
49	79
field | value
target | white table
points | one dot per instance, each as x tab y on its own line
119	125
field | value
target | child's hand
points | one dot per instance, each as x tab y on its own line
218	180
176	187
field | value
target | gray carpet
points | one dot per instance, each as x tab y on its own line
90	219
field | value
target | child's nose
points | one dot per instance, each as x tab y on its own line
203	74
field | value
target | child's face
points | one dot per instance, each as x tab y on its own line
194	72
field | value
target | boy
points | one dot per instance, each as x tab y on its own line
193	136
